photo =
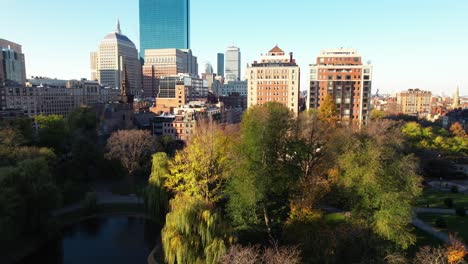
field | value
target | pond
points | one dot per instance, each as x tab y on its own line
110	239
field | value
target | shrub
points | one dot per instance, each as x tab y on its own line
440	222
448	202
90	203
454	189
460	211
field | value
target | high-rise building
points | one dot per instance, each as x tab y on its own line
220	64
166	62
275	78
12	64
341	74
164	24
414	102
94	62
107	63
233	64
208	68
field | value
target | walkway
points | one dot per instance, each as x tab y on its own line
103	198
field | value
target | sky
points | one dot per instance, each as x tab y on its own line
411	43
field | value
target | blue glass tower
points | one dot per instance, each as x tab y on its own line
164	24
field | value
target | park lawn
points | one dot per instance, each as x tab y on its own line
455	224
334	218
436	199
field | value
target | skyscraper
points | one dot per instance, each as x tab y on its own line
12	65
107	63
220	64
233	64
340	73
275	78
164	24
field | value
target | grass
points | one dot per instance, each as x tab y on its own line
423	239
436	199
455	224
334	218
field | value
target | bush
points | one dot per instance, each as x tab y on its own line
454	189
460	211
90	203
448	202
440	222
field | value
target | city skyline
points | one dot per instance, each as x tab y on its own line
410	45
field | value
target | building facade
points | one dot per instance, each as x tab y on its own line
414	102
275	78
233	64
114	50
12	64
231	87
60	98
166	62
220	64
164	24
341	74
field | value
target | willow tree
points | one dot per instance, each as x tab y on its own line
194	232
156	196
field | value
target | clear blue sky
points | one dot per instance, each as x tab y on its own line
412	43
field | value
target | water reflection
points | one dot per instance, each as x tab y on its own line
113	239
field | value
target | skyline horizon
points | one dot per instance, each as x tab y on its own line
75	65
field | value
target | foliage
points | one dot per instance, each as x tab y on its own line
156	196
254	255
194	232
453	253
28	195
376	114
199	169
440	222
90	203
327	110
448	202
24	127
457	130
131	147
263	174
436	139
52	132
460	211
385	183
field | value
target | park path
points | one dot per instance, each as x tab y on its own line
435	210
103	198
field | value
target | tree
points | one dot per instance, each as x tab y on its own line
52	132
327	110
156	196
376	114
458	130
24	127
199	169
131	148
263	172
194	232
385	184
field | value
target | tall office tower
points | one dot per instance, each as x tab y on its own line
164	24
414	102
340	73
233	64
275	78
113	49
12	65
208	68
166	62
94	62
220	64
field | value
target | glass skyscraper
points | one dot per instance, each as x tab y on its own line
164	24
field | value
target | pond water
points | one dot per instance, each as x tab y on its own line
110	239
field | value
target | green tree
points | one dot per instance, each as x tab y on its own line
385	184
199	170
156	196
263	173
376	114
23	125
194	232
53	132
